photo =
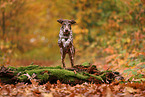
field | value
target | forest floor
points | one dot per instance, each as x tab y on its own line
134	88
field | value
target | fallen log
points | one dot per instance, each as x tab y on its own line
76	75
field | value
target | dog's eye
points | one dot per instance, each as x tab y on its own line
63	25
69	25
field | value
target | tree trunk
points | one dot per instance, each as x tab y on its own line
3	23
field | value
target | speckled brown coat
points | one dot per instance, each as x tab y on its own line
65	40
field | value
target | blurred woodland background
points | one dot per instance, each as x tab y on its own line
108	33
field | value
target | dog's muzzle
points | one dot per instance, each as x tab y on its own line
66	32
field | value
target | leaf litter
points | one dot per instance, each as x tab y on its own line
79	90
114	88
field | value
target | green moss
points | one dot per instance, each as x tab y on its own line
96	77
23	78
43	73
103	76
30	72
57	67
70	79
40	77
66	73
30	67
12	68
43	77
59	73
107	71
93	66
85	64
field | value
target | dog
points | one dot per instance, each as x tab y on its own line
65	40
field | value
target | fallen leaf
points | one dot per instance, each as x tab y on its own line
129	89
47	95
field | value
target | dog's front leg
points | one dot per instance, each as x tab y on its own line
71	56
63	54
64	43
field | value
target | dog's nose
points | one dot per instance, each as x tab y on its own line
66	30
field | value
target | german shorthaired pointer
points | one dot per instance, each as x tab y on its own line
65	40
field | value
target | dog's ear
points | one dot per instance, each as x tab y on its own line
72	21
60	21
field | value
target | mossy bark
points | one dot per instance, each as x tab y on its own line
78	74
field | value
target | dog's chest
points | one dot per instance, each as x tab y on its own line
64	36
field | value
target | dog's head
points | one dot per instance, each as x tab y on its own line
66	25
